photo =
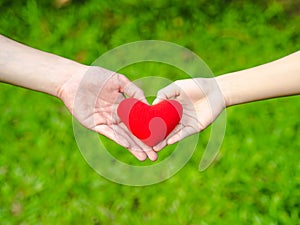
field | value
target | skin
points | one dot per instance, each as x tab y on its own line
203	99
90	93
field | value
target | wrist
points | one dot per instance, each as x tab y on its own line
224	85
70	79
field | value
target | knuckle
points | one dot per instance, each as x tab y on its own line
160	93
139	92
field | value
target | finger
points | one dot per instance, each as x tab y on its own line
122	131
131	90
152	155
157	100
169	92
119	139
160	146
109	133
181	134
140	155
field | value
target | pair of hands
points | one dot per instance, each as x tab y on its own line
93	99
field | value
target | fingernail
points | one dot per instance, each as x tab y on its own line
156	148
157	100
142	156
171	141
154	157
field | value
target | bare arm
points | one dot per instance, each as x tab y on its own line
34	69
274	79
203	99
95	90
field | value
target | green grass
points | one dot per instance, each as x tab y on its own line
255	180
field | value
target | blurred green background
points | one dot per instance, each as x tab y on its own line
256	177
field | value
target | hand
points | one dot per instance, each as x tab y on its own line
93	98
202	102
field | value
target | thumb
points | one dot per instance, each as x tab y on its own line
169	92
131	90
157	100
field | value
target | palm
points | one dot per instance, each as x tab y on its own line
96	98
202	102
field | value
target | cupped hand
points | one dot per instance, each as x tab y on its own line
93	98
202	102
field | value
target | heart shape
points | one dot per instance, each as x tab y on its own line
151	124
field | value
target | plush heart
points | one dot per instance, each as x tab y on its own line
151	124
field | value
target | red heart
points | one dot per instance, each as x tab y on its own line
151	124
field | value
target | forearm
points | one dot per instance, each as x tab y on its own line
274	79
30	68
